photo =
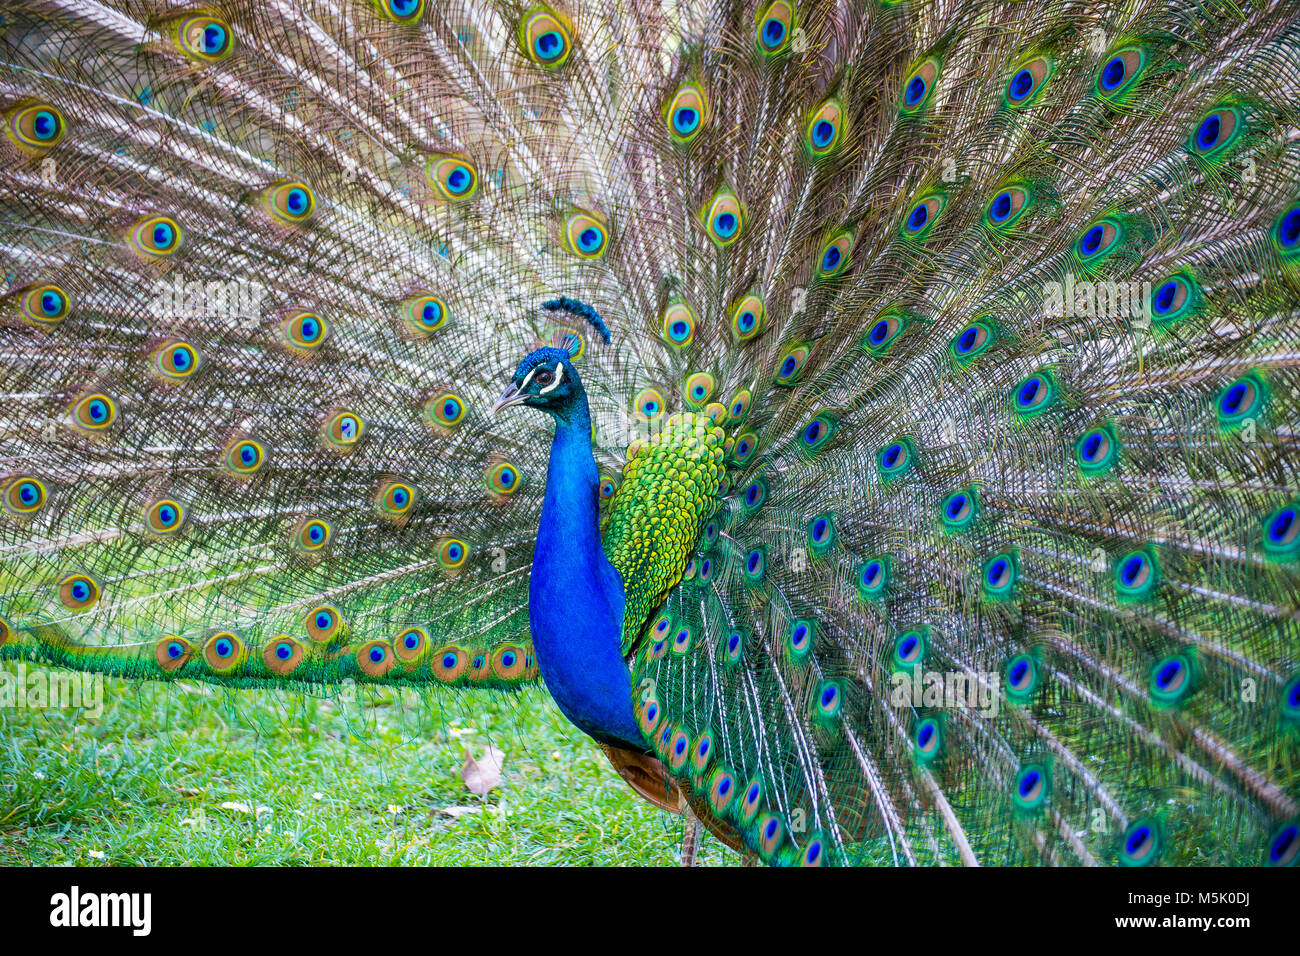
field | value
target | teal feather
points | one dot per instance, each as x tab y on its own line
917	340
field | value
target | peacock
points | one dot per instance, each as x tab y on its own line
876	422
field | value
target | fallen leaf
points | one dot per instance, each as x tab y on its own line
483	774
457	812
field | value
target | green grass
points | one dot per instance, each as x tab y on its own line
361	778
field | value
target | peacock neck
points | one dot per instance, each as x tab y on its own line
575	596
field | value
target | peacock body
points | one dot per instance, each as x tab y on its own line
924	483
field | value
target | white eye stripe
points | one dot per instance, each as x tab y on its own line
559	377
528	378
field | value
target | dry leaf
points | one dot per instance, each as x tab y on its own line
483	774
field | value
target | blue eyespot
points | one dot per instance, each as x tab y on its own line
377	655
915	91
283	651
1288	229
773	33
686	119
175	649
589	240
1091	240
51	302
224	648
548	45
725	223
1022	84
823	133
1113	73
1000	208
920	215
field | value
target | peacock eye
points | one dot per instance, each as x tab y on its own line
545	377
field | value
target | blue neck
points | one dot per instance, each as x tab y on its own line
575	597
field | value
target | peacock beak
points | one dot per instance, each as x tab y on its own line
511	396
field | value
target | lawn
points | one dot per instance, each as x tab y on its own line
183	773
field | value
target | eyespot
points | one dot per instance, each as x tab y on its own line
686	114
164	517
223	652
449	663
411	644
1284	845
739	406
77	592
205	38
829	699
1007	206
452	553
973	340
454	178
923	215
395	498
375	658
791	364
679	325
927	739
283	655
754	495
1022	677
1172	680
45	305
701	751
445	410
1242	399
425	313
304	331
699	388
1137	575
37	127
723	218
821	533
243	456
94	412
586	235
910	648
1120	70
1096	450
919	85
835	254
1142	843
747	318
743	450
1291	700
774	27
960	509
312	534
1287	232
344	430
682	640
323	623
1098	239
873	577
155	236
1217	129
1173	298
733	647
1281	531
679	747
1027	82
291	202
825	128
755	565
648	405
999	575
503	478
883	332
546	38
799	637
1034	394
751	801
175	360
722	790
608	486
509	663
25	495
817	432
402	11
171	653
1031	788
895	459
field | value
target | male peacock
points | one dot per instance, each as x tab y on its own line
935	498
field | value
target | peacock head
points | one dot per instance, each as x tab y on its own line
547	380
